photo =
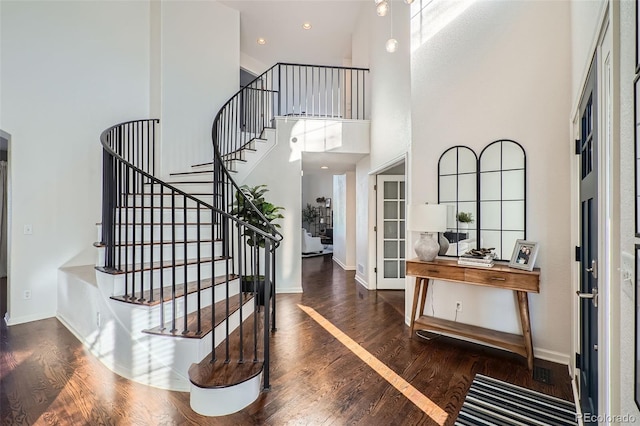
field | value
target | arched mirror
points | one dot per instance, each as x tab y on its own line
502	196
458	189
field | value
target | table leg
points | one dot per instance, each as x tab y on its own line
523	307
416	293
423	299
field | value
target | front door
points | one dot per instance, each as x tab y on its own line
588	147
390	195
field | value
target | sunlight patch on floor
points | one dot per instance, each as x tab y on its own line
414	395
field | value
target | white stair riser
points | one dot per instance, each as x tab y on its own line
135	279
149	359
149	317
143	233
143	255
127	214
190	177
137	200
194	187
220	293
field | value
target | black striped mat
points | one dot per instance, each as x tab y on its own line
494	402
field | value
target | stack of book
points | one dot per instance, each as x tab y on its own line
473	258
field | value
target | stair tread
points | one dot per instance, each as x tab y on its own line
159	207
181	182
205	315
208	163
192	287
158	265
195	172
157	243
166	223
218	374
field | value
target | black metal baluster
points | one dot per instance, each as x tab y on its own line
226	243
326	109
273	281
185	329
240	296
173	262
332	100
142	226
199	276
126	233
133	235
151	236
122	201
267	296
356	115
255	272
162	256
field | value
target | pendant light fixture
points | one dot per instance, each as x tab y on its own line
392	44
382	8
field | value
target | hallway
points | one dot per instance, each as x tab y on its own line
48	378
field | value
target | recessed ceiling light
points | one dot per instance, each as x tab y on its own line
324	167
306	25
261	41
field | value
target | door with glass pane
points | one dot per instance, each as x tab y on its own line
390	234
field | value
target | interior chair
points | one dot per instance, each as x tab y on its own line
311	244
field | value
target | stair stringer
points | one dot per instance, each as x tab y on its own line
112	331
244	169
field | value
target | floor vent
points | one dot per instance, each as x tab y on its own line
542	374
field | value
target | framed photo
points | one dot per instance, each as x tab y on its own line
637	329
524	255
327	203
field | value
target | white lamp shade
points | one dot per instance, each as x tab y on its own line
427	218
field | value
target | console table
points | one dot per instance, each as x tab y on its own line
498	276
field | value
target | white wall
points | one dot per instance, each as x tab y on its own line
364	227
390	111
200	72
344	220
501	69
68	71
315	185
285	189
390	81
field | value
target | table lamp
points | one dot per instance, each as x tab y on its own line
428	219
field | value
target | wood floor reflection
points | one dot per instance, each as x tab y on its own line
47	377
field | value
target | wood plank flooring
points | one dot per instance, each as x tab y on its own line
48	378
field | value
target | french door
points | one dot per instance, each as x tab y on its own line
390	225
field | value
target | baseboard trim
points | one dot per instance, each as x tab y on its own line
289	290
29	318
552	356
362	282
343	266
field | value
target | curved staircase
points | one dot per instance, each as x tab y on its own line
174	312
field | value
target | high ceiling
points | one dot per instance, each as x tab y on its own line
338	163
328	42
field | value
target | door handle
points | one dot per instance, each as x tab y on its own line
593	296
593	269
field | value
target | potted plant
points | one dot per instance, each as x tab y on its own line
464	219
309	216
243	210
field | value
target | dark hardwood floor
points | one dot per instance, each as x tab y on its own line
48	378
